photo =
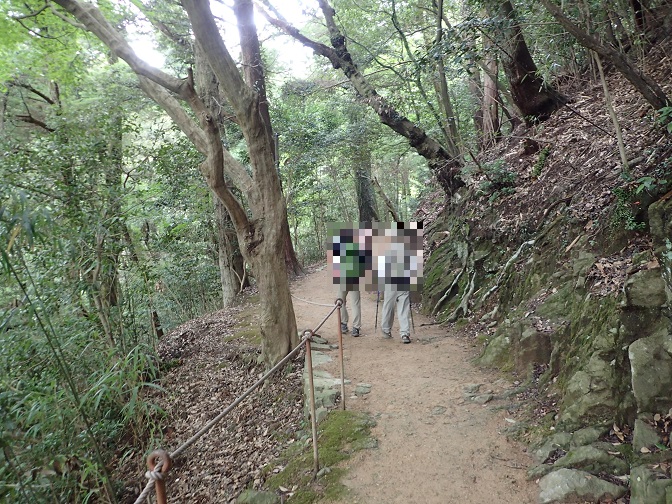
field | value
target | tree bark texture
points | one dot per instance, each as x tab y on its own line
253	71
533	97
229	258
449	124
231	264
366	199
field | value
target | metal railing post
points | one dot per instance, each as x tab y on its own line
308	334
159	461
339	304
159	464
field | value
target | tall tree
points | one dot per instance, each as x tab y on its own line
535	98
231	265
490	103
449	120
261	235
445	167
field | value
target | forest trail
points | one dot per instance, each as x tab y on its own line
436	445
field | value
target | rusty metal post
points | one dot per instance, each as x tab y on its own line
159	464
313	417
339	304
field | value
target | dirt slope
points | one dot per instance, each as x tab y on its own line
436	446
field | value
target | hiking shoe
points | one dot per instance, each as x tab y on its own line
387	335
355	332
405	338
344	327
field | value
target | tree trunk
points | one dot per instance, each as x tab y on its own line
476	94
260	234
449	124
366	200
253	70
277	311
231	264
490	115
638	11
649	88
386	200
292	264
535	99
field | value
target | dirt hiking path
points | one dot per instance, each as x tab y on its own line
436	445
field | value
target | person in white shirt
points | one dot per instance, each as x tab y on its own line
394	269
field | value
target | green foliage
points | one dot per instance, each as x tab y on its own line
665	118
78	280
541	161
650	184
341	434
624	215
499	180
67	396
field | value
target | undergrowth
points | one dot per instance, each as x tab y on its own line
341	434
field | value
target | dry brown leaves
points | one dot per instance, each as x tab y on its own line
237	452
608	274
583	165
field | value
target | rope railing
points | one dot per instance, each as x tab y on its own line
160	461
310	302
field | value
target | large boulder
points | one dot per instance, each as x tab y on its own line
590	394
651	371
648	486
593	460
570	485
645	289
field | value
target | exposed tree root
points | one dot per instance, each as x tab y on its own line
516	255
448	292
511	260
463	308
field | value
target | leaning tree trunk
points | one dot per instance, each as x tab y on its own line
535	99
649	88
231	266
445	167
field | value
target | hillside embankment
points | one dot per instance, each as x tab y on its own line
558	259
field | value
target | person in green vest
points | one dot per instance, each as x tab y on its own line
350	260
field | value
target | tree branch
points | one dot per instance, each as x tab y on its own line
223	66
95	22
445	166
34	91
160	25
31	120
176	112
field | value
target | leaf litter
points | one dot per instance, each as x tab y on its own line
209	369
